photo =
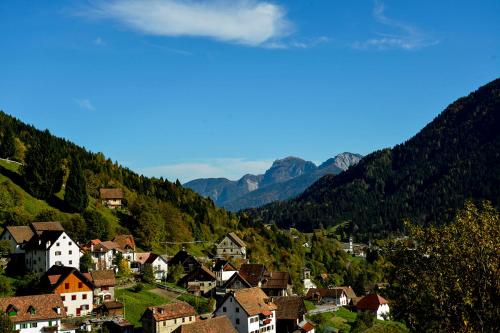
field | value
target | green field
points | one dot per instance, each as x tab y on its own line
136	303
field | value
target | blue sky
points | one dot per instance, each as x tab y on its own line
187	88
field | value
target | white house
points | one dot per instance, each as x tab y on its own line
231	247
249	310
35	313
375	304
73	287
306	280
49	246
159	264
223	270
335	295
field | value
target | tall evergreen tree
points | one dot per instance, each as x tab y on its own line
8	144
42	171
75	195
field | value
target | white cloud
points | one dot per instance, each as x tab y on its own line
248	22
231	168
84	104
407	38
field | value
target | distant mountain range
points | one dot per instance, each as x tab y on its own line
285	179
426	179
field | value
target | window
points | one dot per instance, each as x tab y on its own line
34	325
73	297
237	321
24	325
50	323
71	262
165	323
58	263
84	296
237	309
66	286
66	309
63	298
80	285
183	319
70	252
224	309
58	253
190	318
58	244
70	243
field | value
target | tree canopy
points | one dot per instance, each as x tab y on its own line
447	278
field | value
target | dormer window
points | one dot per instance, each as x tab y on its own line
12	310
31	310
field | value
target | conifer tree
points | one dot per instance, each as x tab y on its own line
8	144
75	195
42	171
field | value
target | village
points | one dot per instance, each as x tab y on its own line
78	289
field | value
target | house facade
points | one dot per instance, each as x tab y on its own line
231	247
336	296
73	287
235	282
104	285
249	310
375	304
50	248
186	260
158	263
36	313
166	318
223	270
111	197
200	282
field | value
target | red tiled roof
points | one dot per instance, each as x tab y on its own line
370	302
21	233
46	226
213	325
254	301
125	240
104	277
276	280
111	193
253	273
289	307
170	311
44	306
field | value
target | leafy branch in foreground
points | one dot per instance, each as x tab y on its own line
447	278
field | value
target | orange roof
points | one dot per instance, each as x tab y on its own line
43	307
21	233
213	325
170	311
125	241
370	302
254	301
111	193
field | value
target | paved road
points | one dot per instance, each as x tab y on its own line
323	308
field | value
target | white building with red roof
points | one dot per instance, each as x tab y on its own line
375	304
249	310
166	318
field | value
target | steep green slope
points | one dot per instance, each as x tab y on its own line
426	179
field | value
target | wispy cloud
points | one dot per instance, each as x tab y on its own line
84	104
231	168
298	43
406	36
247	22
99	41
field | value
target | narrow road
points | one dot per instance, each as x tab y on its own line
323	308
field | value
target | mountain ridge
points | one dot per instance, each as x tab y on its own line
286	178
425	179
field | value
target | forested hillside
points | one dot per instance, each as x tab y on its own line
425	179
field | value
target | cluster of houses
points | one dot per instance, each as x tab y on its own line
250	298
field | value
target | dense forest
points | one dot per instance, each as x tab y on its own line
425	179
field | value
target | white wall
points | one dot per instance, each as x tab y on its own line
383	310
69	252
76	304
40	324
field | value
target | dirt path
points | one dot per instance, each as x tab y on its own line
166	293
